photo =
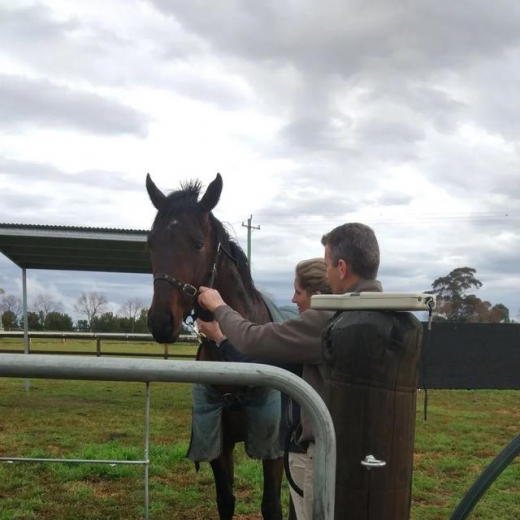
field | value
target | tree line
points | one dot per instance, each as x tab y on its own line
46	314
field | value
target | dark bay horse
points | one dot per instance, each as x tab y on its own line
189	248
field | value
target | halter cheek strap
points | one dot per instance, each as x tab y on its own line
190	291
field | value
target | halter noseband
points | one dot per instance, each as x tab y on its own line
186	288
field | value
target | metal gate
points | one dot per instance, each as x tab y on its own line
149	370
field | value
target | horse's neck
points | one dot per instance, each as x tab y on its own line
233	291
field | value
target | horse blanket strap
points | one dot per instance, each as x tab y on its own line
262	414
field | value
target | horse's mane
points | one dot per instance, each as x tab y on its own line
241	260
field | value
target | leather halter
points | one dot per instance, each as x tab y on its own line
187	289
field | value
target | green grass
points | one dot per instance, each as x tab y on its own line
104	420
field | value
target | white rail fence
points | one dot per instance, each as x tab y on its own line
150	370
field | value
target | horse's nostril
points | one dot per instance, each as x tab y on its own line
162	326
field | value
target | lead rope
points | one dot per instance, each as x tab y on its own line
431	305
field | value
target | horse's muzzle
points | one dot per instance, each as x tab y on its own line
162	327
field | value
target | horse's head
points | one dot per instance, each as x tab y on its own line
182	251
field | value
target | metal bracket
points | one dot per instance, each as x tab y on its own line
371	462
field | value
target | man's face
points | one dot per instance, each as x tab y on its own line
333	273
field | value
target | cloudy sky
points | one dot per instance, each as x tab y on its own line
401	115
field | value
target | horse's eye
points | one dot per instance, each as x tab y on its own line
198	246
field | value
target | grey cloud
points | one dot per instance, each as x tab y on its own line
394	199
40	193
158	56
422	101
44	172
420	60
20	26
410	38
39	102
310	134
486	170
381	131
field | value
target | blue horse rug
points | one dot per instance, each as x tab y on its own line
262	408
262	411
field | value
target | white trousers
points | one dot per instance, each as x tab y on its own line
308	487
297	465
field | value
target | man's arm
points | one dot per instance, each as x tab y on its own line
293	341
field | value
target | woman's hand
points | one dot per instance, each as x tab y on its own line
210	329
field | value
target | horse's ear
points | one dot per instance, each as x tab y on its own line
156	195
211	197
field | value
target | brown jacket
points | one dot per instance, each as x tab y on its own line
292	341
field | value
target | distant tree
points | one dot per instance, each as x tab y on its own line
131	309
44	304
499	314
10	303
454	304
451	292
106	322
82	326
34	321
141	324
9	320
90	304
58	321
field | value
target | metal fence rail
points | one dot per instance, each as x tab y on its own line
98	337
150	370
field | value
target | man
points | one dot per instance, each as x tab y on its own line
352	261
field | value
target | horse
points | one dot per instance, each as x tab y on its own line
190	247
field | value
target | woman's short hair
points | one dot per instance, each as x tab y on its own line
312	276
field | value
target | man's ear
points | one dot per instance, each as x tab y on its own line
343	268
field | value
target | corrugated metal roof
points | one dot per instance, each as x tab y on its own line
69	248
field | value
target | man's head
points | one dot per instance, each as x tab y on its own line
351	254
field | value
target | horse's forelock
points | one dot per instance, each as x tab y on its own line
179	201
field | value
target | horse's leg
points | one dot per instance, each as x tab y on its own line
273	474
223	473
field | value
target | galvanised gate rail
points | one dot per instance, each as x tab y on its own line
167	371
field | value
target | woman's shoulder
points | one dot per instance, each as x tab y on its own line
315	316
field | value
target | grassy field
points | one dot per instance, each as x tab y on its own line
102	420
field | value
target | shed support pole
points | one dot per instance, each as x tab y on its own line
25	320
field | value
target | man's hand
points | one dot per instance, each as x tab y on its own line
210	299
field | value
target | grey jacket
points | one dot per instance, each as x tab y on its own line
293	341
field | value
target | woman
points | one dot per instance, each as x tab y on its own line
310	278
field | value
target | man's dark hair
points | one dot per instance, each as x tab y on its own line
357	245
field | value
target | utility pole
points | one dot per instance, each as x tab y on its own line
249	229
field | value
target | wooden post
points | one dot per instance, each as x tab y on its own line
166	351
371	370
98	347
